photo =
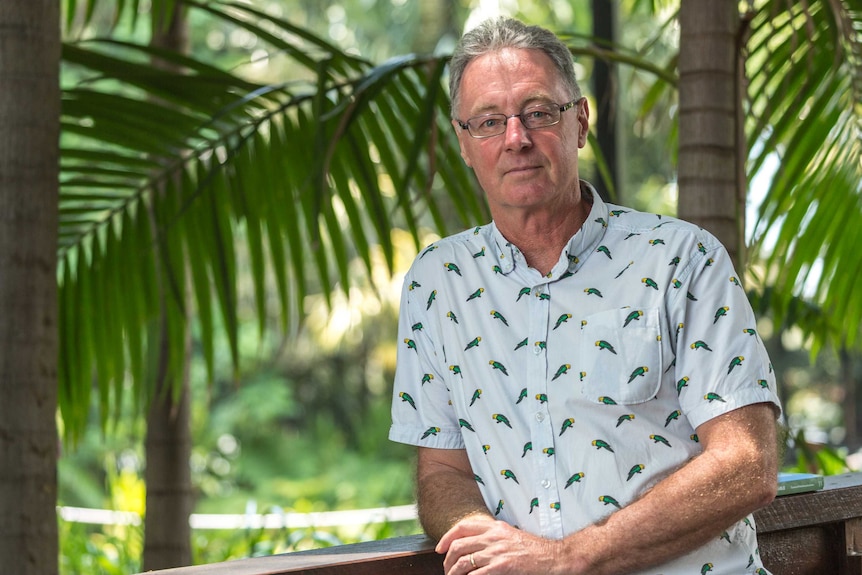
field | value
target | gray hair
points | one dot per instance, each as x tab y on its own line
499	33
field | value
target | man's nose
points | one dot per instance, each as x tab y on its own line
517	134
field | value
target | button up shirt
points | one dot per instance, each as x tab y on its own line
576	391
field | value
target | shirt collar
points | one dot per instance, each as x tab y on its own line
576	251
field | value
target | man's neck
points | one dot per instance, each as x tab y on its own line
541	236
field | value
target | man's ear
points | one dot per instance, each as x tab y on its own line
583	122
462	133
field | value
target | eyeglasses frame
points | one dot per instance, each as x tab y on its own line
561	107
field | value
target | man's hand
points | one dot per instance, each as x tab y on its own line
482	545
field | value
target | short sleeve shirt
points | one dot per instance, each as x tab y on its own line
576	391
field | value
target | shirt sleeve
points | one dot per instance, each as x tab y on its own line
721	362
422	413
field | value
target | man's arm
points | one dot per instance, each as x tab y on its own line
446	490
735	475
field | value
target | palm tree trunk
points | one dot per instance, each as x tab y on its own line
169	498
711	193
29	150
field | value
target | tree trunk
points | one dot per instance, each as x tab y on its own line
711	191
169	498
29	164
606	90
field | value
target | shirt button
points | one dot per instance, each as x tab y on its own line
545	483
540	416
537	349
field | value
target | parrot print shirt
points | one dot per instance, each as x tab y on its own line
576	391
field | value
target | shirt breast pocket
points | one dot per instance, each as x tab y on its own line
622	354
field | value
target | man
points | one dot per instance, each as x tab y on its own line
584	382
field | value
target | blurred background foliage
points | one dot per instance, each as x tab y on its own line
303	428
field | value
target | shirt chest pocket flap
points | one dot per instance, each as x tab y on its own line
622	354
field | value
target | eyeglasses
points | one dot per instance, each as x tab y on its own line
541	116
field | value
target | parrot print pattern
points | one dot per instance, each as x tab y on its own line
576	391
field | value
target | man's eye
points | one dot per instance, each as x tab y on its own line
490	123
538	114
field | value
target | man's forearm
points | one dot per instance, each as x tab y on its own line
445	495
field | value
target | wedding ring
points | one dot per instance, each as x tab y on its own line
473	563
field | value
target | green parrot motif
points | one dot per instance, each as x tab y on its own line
602	344
527	447
601	221
747	522
690	296
451	315
499	508
452	268
555	505
708	262
749	331
498	365
734	362
549	451
562	319
707	567
542	398
735	281
617	213
544	297
700	345
711	396
476	294
417	326
624	418
524	291
486	448
561	370
659	439
650	283
480	253
607	400
726	536
466	425
478	479
608	500
639	372
427	251
656	242
431	299
541	345
476	395
602	444
633	316
582	375
521	396
497	315
413	285
431	431
700	248
624	270
534	503
500	418
605	250
676	283
720	313
760	571
455	369
496	269
674	261
507	474
427	377
405	397
593	291
566	425
473	343
673	415
522	343
576	478
681	383
763	383
410	344
635	470
694	438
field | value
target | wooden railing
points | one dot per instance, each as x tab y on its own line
817	533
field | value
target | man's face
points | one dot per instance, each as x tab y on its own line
521	168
